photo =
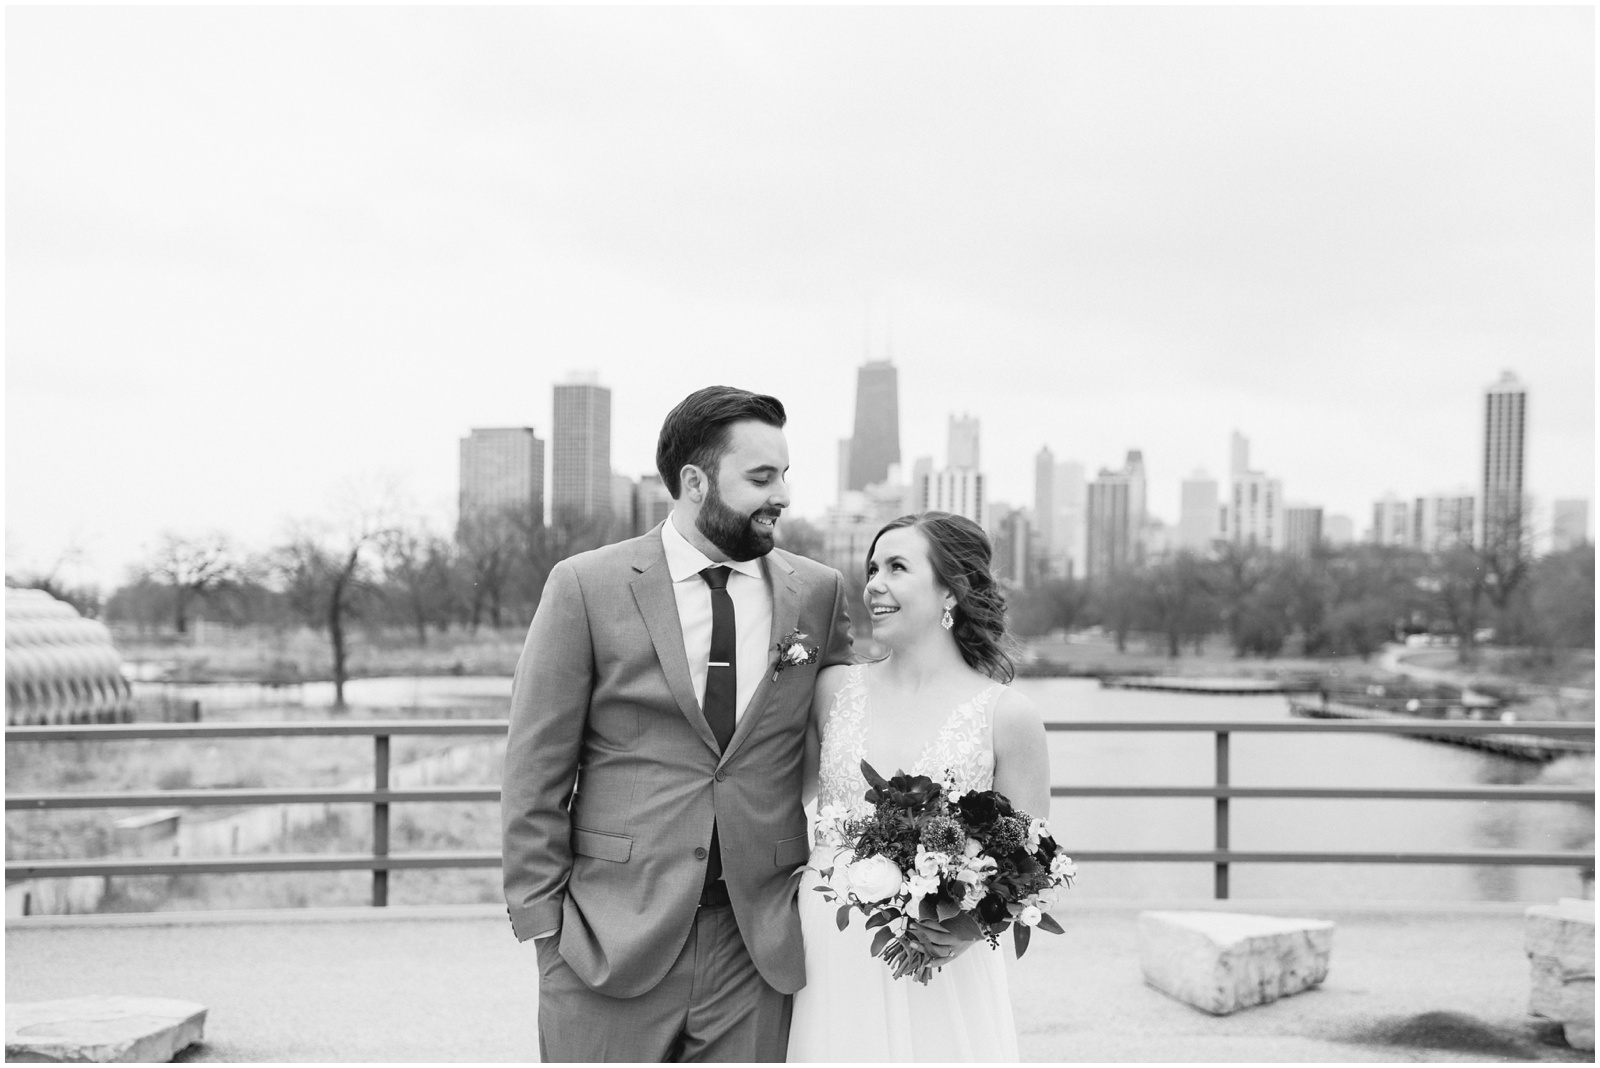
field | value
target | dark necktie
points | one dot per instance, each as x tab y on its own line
722	673
722	690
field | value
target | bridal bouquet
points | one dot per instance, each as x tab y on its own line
925	857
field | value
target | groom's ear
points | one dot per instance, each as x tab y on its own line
693	482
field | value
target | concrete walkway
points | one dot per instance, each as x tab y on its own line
1436	982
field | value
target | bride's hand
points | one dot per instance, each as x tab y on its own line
945	946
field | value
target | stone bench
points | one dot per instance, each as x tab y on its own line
1559	940
102	1028
1225	961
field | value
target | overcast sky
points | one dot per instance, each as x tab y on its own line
256	255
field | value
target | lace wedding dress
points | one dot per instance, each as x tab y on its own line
851	1008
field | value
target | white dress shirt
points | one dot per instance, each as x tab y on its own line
752	613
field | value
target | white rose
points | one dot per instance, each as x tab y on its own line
796	654
877	878
1030	916
930	863
974	847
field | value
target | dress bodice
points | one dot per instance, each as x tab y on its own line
961	754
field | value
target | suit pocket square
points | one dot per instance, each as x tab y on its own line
601	846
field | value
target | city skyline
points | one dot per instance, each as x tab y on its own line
1096	230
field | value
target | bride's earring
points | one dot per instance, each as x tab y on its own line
947	620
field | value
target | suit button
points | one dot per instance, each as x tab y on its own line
721	776
699	853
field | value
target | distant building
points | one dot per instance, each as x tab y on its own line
1197	513
958	490
1391	522
1044	495
1302	529
1443	520
1338	530
624	491
1569	527
962	447
580	470
501	468
1116	519
843	486
921	477
1238	455
1014	546
876	442
1505	428
1255	513
1068	524
651	504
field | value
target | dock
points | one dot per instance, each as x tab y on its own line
1212	687
1521	746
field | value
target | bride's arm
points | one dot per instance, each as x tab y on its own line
1021	755
829	679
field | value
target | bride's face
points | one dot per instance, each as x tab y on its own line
903	597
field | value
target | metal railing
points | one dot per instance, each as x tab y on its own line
381	861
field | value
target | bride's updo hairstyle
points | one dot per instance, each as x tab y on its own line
960	555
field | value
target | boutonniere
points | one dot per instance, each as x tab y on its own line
794	652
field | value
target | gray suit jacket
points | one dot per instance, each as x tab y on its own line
613	778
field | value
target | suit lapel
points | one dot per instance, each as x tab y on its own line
785	592
652	591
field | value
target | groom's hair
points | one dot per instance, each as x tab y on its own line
696	431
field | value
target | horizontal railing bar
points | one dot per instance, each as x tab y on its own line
1543	729
276	796
369	728
413	861
263	862
1499	858
1400	793
301	796
112	732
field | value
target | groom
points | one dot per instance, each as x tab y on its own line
651	798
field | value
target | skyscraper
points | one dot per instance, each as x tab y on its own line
958	490
651	504
1391	521
1255	502
1066	525
1442	520
963	442
1302	529
1505	418
876	442
502	468
1116	519
580	472
1197	513
1044	496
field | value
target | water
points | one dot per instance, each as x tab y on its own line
1150	759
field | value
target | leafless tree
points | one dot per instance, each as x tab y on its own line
416	563
193	568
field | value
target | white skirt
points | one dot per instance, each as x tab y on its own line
853	1009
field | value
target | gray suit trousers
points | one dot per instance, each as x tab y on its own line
713	1005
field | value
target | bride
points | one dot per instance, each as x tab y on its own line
937	702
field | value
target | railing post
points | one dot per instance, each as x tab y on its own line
380	819
1222	816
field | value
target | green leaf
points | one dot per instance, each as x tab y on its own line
965	926
946	908
927	910
874	780
880	940
842	918
1019	934
878	920
1049	924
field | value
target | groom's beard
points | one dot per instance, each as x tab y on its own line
735	534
